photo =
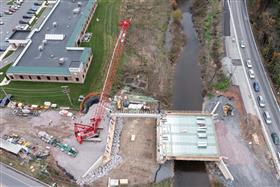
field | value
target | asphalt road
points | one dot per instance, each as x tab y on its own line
242	24
10	178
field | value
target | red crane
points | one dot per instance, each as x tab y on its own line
82	131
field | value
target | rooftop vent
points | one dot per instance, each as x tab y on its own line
61	61
76	10
44	42
201	135
54	24
40	47
202	144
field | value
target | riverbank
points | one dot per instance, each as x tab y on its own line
145	58
207	18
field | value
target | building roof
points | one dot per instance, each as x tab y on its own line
188	136
19	35
13	148
42	54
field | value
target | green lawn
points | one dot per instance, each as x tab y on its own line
4	69
102	42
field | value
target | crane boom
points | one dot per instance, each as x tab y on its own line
82	131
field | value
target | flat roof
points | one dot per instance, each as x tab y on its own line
187	136
8	146
19	35
61	21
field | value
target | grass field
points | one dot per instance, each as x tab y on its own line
104	31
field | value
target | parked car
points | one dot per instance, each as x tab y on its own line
261	102
7	12
1	14
20	27
26	17
249	63
37	3
1	22
251	74
14	7
23	22
12	10
30	12
256	86
33	9
5	101
267	117
242	44
275	138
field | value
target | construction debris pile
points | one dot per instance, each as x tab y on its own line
56	143
20	109
28	151
135	103
106	168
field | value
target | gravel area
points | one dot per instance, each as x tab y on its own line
242	145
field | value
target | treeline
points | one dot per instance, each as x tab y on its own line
265	17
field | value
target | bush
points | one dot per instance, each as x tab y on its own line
177	15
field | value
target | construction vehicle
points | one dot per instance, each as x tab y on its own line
67	149
85	132
56	143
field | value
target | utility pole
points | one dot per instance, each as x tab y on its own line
66	91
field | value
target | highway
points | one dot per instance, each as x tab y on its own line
243	32
10	178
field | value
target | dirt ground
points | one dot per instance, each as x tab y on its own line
28	128
138	157
59	127
242	145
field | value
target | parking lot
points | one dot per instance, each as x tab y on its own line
10	22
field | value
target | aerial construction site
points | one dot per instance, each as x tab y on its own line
111	93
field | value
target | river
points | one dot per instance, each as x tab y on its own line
187	89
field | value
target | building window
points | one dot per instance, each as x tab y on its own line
77	79
83	76
87	65
57	78
38	77
21	77
48	78
12	77
65	78
29	77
